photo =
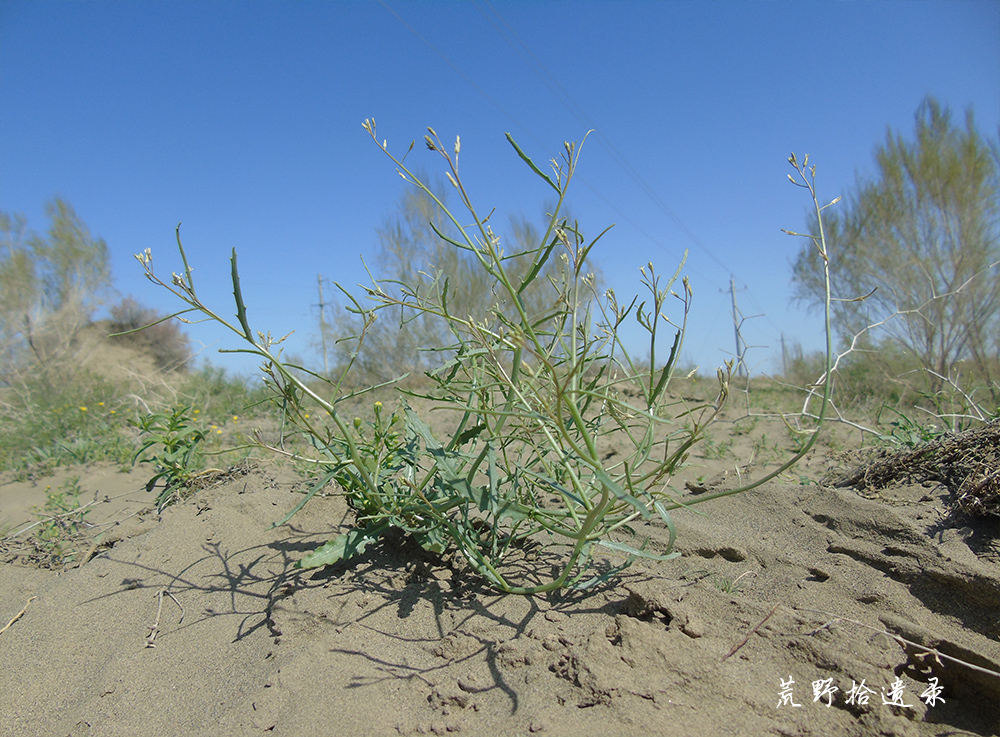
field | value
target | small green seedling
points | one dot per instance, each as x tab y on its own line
170	443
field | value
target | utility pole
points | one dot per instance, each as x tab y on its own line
322	323
784	357
740	345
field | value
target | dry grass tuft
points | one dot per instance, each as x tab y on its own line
968	463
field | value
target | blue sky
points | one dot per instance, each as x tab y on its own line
243	121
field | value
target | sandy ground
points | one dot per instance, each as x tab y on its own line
780	592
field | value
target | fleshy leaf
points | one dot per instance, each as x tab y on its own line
343	547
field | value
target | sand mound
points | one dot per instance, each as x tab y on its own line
777	589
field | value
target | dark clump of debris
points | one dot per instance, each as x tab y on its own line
967	463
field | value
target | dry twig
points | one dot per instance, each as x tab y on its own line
155	627
18	615
909	646
751	633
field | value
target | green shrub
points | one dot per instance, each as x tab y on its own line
218	394
162	338
521	483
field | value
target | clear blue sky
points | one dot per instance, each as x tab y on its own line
243	120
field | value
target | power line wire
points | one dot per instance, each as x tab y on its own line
538	68
567	100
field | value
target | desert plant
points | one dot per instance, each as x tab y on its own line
905	431
534	395
411	251
78	421
62	522
728	585
715	449
169	441
220	394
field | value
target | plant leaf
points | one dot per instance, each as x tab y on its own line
636	552
527	160
668	521
343	547
241	309
309	495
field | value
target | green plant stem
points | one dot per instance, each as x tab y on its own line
820	243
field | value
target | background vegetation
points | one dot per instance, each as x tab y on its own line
411	251
919	241
920	354
69	393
